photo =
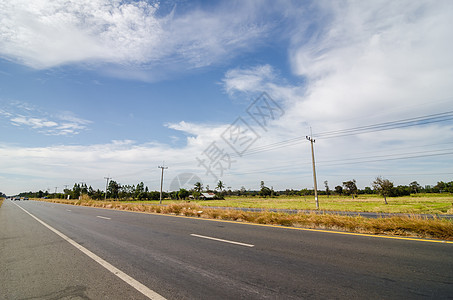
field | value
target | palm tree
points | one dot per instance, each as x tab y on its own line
198	186
220	185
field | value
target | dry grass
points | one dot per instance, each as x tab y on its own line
414	204
401	226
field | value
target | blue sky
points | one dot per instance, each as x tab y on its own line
96	88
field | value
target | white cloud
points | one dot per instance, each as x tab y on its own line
32	122
370	61
22	114
131	36
364	63
377	55
248	80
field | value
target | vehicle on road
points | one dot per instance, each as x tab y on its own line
16	198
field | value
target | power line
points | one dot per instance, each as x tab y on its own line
403	123
417	121
341	162
385	155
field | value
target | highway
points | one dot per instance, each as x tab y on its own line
186	258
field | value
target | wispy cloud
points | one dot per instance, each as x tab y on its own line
246	80
33	122
376	55
357	63
361	64
131	36
374	60
22	114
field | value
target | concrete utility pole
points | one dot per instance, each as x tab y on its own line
314	170
161	182
56	190
106	186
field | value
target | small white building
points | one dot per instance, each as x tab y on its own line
207	196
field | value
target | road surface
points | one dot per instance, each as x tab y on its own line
185	258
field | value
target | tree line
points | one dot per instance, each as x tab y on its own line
118	191
139	191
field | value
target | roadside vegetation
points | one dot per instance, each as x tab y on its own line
201	202
413	204
412	226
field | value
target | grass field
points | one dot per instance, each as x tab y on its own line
416	204
413	226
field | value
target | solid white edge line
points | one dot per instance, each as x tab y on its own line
103	217
120	274
221	240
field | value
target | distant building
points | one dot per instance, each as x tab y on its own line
207	196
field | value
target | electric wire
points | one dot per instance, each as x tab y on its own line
417	121
403	123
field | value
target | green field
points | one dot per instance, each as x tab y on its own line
417	204
413	225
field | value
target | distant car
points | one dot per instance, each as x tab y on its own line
17	198
25	198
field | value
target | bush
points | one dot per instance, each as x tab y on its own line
400	191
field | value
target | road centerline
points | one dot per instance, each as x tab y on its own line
101	217
117	272
221	240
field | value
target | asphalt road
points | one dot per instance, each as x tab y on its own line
171	256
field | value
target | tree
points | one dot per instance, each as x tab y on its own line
98	195
326	184
198	187
443	187
415	187
83	188
351	187
220	185
265	191
113	189
76	190
401	190
183	194
196	194
367	190
139	192
383	187
339	189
